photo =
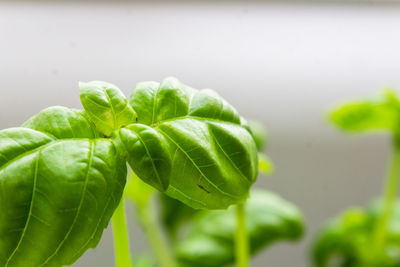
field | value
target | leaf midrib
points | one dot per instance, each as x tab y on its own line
90	161
29	214
195	165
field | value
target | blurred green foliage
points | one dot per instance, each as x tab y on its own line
380	114
347	240
210	241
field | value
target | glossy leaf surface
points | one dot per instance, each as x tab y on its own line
148	154
210	241
67	190
62	122
106	106
346	240
214	157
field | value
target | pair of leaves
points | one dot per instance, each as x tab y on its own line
347	240
210	241
63	173
191	143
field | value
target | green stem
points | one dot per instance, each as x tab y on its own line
241	238
121	237
154	234
390	196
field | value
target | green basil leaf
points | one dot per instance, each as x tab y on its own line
67	190
370	115
346	241
208	104
245	124
339	243
16	141
214	157
155	102
214	164
148	154
210	241
106	106
62	122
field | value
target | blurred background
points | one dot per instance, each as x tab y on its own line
281	62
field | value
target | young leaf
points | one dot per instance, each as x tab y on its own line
156	102
67	190
106	106
214	157
210	241
147	153
364	116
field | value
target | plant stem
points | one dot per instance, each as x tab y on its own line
390	195
121	237
154	234
241	239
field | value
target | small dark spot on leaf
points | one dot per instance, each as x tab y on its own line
202	188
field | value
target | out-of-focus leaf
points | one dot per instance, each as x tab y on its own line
371	115
138	190
210	241
265	165
106	106
347	241
173	214
259	134
142	261
340	242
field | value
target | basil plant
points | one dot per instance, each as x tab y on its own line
368	237
63	172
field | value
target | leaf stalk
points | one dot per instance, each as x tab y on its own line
154	234
390	196
241	238
121	237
